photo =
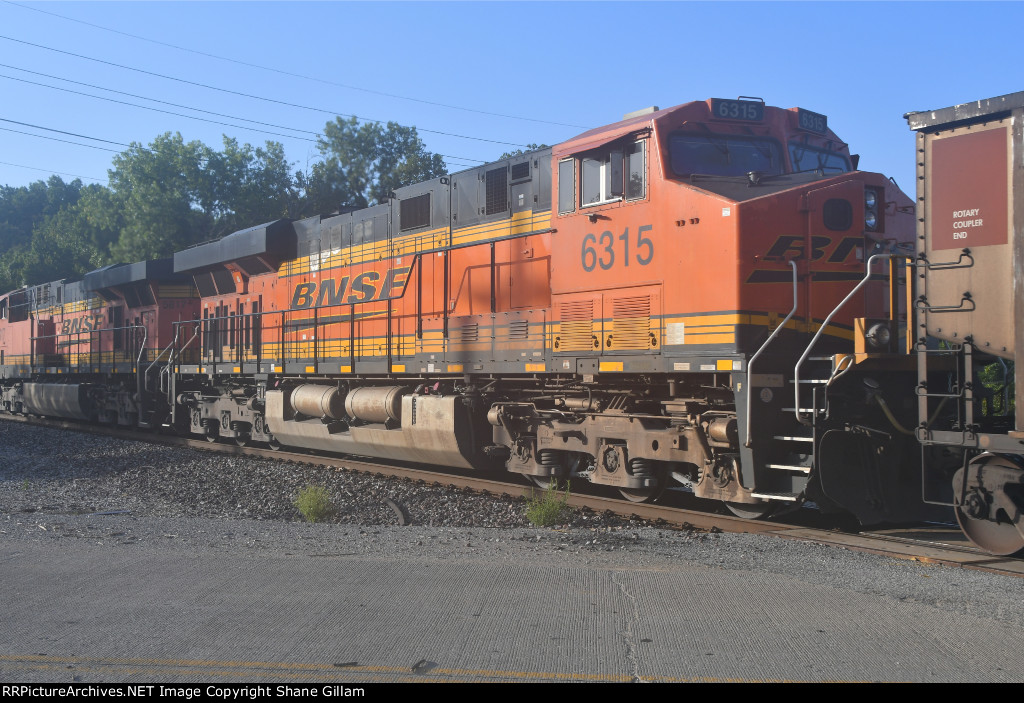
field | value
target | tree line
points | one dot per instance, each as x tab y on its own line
166	196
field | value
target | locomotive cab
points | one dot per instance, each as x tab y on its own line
700	249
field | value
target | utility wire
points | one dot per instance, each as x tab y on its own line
155	100
293	75
248	95
70	134
47	170
85	136
156	109
56	139
176	114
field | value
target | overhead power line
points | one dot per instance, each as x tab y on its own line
177	114
155	100
60	131
294	75
156	109
49	170
250	95
56	139
97	139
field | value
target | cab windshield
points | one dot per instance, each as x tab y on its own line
723	155
807	158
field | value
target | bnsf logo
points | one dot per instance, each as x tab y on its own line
820	246
81	324
367	287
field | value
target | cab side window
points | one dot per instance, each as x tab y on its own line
567	185
610	174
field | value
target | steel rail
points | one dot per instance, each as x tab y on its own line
930	549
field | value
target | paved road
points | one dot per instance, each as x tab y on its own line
116	598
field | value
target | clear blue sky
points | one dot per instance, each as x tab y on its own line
863	64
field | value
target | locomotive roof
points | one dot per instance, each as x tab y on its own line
123	274
976	111
593	138
276	239
699	110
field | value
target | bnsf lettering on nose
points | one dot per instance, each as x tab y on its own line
837	251
81	324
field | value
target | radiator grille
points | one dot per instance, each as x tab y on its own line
577	326
631	322
497	191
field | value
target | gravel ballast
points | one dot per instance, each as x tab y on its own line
58	471
53	482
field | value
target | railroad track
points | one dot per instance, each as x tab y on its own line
934	544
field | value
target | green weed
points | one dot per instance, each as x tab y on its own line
314	503
549	507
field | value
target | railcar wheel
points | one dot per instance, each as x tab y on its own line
648	469
274	445
539	481
750	511
1000	538
642	495
241	440
211	438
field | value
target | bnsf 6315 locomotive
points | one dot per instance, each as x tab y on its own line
704	296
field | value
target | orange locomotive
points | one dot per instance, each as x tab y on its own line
88	349
701	297
628	307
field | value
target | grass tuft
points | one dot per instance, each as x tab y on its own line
549	507
314	503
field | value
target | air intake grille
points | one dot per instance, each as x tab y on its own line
577	326
497	191
519	329
631	325
415	212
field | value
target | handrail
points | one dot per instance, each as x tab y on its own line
170	363
140	374
821	330
774	334
166	349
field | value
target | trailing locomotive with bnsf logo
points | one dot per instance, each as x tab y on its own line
708	297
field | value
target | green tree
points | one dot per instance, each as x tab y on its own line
363	163
174	193
162	198
517	152
24	207
252	185
23	211
64	245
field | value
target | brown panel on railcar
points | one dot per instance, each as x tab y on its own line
967	201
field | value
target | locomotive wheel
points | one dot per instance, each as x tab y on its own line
1000	538
648	494
643	495
750	511
545	482
538	481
